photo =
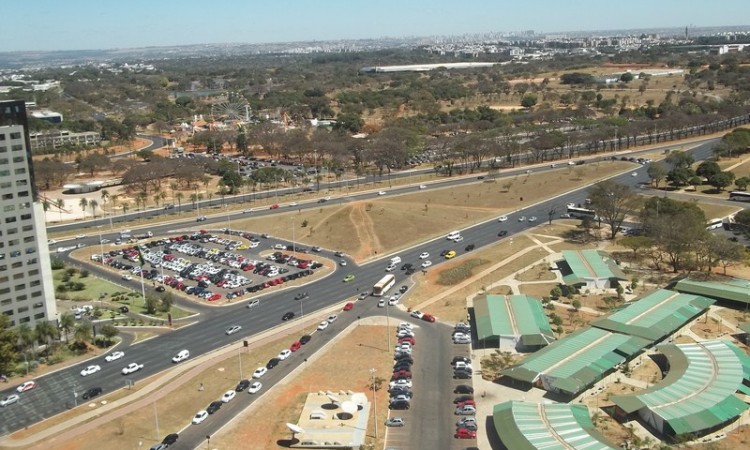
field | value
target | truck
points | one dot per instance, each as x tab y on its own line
145	235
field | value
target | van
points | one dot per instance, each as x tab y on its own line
390	268
453	235
395	260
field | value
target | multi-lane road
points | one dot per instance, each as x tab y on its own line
56	390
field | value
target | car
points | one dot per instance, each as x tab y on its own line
381	303
400	382
565	216
305	339
287	316
405	358
91	393
259	372
428	317
463	433
522	219
466	410
349	306
342	263
416	314
284	354
332	318
114	356
463	399
424	255
228	396
274	206
399	405
242	385
470	247
401	373
426	264
200	416
9	400
450	254
105	241
395	422
201	219
381	193
532	219
422	186
502	233
255	387
470	423
323	325
27	386
127	277
90	370
301	295
80	236
463	359
253	303
181	356
463	389
634	174
349	278
170	439
295	346
502	219
233	329
273	362
131	368
461	374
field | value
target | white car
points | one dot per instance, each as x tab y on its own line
424	255
422	186
284	354
182	356
127	277
393	301
259	372
114	356
427	263
247	211
80	236
253	303
90	370
280	247
255	387
401	382
532	219
51	242
323	325
381	303
228	396
9	400
417	314
381	193
200	417
342	263
293	204
27	386
634	174
233	329
332	318
522	219
502	218
131	368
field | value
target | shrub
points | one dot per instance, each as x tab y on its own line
57	263
62	288
84	273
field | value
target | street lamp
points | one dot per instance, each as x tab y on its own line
374	399
208	441
101	245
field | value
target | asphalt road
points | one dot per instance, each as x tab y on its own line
56	390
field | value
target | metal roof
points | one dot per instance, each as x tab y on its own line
589	265
574	363
548	426
745	326
734	289
655	316
699	391
519	316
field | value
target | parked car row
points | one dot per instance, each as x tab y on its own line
462	333
400	386
464	404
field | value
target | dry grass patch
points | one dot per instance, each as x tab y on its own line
539	272
711	328
715	211
537	290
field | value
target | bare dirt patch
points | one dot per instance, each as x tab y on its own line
539	272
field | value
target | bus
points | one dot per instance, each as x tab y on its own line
714	224
739	196
581	213
384	285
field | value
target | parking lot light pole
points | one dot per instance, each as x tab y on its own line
101	245
374	399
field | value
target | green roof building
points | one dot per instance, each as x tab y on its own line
731	290
698	395
655	316
569	366
515	321
590	269
548	426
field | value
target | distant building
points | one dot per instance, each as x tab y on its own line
49	116
54	139
332	420
590	269
425	67
728	291
511	321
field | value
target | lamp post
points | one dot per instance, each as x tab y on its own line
374	399
239	358
294	246
101	245
208	441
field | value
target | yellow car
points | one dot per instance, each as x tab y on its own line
450	254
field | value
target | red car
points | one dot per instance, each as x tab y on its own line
408	339
275	206
466	403
349	306
295	346
428	318
214	297
401	374
463	433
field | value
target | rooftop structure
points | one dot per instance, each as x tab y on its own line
698	394
655	316
516	321
425	67
571	365
333	420
727	290
592	268
549	426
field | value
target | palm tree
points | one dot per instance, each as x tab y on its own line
173	186
162	196
105	196
179	197
83	332
157	195
83	203
45	331
193	198
93	204
143	196
114	198
45	206
125	207
60	204
26	337
67	323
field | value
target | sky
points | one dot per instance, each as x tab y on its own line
107	24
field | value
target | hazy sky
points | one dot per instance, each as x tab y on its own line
105	24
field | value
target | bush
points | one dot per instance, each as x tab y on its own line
84	273
57	263
65	278
62	288
70	271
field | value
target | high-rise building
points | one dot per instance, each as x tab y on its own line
26	290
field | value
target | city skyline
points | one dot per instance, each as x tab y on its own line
137	23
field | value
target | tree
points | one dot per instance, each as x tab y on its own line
677	228
241	140
83	332
680	176
680	160
627	77
529	100
83	203
707	169
576	304
742	183
93	204
721	180
152	304
612	202
742	219
109	332
67	323
8	341
45	331
636	243
724	252
60	205
657	172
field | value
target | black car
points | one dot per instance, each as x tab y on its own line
339	254
405	358
242	385
287	316
502	233
316	249
400	404
463	389
305	339
123	309
461	374
213	407
464	359
403	289
407	266
160	289
170	439
402	365
91	393
444	252
273	362
463	398
470	247
301	295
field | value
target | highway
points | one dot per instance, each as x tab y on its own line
56	391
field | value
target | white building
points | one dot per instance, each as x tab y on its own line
26	290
